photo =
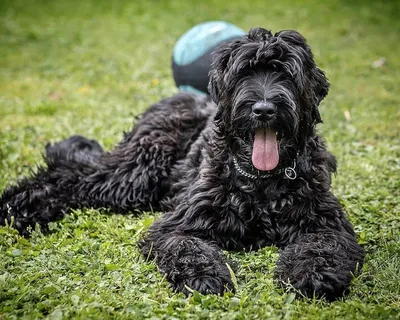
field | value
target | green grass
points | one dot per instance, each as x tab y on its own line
88	67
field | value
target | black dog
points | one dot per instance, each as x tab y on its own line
241	172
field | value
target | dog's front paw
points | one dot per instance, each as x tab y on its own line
206	276
319	265
189	263
75	148
313	278
205	284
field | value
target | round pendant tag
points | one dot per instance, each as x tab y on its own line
290	173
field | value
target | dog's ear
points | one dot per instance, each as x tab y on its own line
220	68
213	86
301	58
218	116
320	87
320	84
215	96
214	91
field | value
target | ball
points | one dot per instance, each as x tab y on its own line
192	54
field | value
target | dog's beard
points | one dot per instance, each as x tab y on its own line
278	152
265	145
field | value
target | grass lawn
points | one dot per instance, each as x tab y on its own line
88	67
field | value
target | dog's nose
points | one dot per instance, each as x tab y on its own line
264	110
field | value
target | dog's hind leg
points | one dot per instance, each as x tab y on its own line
76	149
135	175
44	197
48	194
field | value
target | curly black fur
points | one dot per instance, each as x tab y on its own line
179	158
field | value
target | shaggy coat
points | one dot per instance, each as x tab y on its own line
200	161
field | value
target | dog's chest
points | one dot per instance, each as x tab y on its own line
261	218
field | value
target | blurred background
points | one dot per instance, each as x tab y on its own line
88	66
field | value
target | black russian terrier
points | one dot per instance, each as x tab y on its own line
240	172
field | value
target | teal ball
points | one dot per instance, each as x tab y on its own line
192	54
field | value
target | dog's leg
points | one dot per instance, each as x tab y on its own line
45	197
321	263
189	262
76	149
135	175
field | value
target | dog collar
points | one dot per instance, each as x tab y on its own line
289	172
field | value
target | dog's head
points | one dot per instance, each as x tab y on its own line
267	88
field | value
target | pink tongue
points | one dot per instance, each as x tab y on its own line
265	150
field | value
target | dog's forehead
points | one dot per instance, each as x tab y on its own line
265	84
271	86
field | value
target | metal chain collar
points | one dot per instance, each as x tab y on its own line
289	172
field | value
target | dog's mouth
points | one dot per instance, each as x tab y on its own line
265	156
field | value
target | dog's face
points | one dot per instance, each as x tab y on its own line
267	89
